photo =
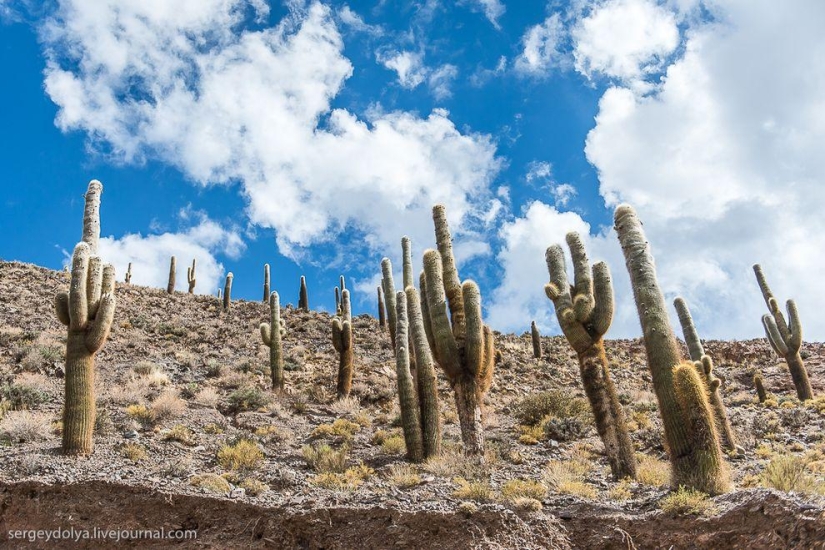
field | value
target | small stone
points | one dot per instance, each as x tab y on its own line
237	492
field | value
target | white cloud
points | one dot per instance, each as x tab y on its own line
150	255
185	82
541	172
542	47
493	9
356	22
412	72
624	39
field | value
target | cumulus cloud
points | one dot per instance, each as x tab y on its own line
150	254
542	47
189	84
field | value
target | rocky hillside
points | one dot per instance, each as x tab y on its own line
189	437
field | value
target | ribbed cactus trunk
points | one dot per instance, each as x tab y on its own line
79	408
271	336
170	286
303	295
128	277
407	395
759	384
342	342
388	285
427	380
382	316
686	447
536	338
191	278
227	291
266	283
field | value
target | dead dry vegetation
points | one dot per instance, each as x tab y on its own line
184	408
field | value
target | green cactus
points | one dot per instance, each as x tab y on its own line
785	339
303	296
697	355
190	277
463	345
382	317
271	334
687	448
87	309
337	301
170	287
389	293
227	291
407	397
536	337
129	274
585	312
266	283
759	384
342	342
427	382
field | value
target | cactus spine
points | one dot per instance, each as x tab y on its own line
87	309
266	283
705	366
227	291
687	447
342	342
382	316
303	296
536	338
271	334
129	274
190	277
785	339
170	286
463	345
585	312
388	285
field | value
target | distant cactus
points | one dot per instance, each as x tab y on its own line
266	283
170	287
129	274
87	309
705	367
271	334
191	278
388	285
760	387
585	311
227	291
303	296
382	316
692	454
337	301
785	339
536	337
463	346
342	342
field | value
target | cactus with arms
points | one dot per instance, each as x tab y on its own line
128	278
190	277
87	309
271	334
463	345
785	338
693	453
342	342
585	311
705	366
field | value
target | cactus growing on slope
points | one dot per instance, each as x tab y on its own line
785	338
687	447
170	286
271	334
342	342
407	395
227	291
303	295
463	345
705	366
536	339
759	384
585	311
382	316
128	278
266	283
87	309
190	277
388	286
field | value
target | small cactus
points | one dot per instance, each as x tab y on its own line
303	296
536	338
388	285
190	277
705	367
759	384
170	287
266	283
785	338
87	309
227	291
271	334
342	342
128	278
337	301
584	311
692	454
382	316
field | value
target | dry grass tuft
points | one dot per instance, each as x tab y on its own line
211	483
24	426
243	455
687	501
403	475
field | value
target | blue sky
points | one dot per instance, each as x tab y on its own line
313	135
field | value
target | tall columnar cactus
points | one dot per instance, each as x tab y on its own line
388	285
407	395
536	338
337	301
687	447
87	309
191	277
129	273
705	367
170	286
759	384
342	342
266	283
271	334
227	291
427	382
585	311
785	339
463	344
303	296
382	316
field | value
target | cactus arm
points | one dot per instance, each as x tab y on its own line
98	329
265	335
78	305
474	331
94	283
346	309
583	300
389	295
795	340
337	331
191	277
406	251
558	290
408	400
694	344
451	284
763	284
774	337
425	309
446	350
91	216
488	361
602	315
61	307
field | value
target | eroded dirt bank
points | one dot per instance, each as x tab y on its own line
755	520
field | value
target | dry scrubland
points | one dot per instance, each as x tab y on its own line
189	435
